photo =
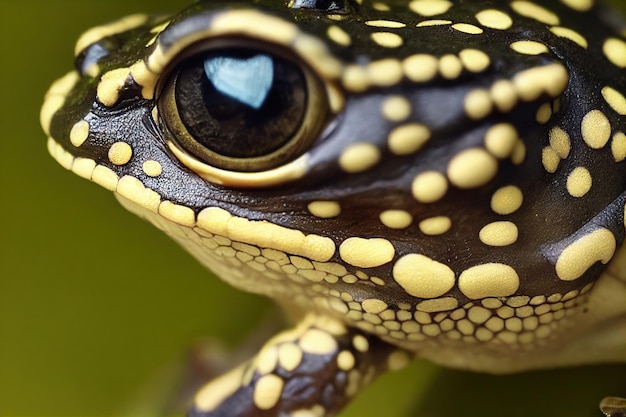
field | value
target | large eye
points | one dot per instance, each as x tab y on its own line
242	108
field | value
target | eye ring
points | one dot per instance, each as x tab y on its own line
226	126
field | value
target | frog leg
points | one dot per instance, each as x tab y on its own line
313	370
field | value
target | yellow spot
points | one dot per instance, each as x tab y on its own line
111	84
618	146
519	153
266	235
398	360
423	277
504	95
579	5
381	7
615	99
267	391
318	342
435	226
396	108
429	186
550	159
529	47
579	256
478	104
366	253
374	306
474	60
396	219
387	39
385	24
467	28
218	390
579	182
500	140
384	73
615	51
494	19
596	129
488	280
499	234
544	113
98	33
433	22
360	343
177	213
289	356
532	83
570	34
429	7
359	157
355	78
79	133
105	177
338	35
345	360
152	168
437	304
534	11
407	139
560	142
507	200
132	189
472	168
324	209
450	67
120	153
83	167
420	67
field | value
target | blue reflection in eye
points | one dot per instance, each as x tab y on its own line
247	80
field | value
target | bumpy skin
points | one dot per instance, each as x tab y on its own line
451	184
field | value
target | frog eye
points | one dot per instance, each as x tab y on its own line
242	108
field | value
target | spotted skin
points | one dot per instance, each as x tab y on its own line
454	187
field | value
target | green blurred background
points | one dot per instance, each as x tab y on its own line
98	310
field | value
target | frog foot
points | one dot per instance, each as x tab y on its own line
313	370
613	406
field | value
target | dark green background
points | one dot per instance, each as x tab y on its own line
98	309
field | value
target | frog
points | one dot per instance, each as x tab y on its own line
408	179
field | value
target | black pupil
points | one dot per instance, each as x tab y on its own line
241	103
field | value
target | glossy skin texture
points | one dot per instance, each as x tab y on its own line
441	190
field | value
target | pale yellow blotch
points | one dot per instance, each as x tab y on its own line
145	78
338	35
177	213
560	142
467	28
550	159
423	277
396	219
355	78
120	153
596	129
435	226
98	33
615	51
267	391
450	67
110	85
433	22
615	99
507	200
503	95
570	34
519	153
345	360
579	256
618	146
385	72
529	47
534	11
359	157
374	306
488	280
579	182
324	209
385	24
532	83
79	133
429	7
387	39
429	186
318	342
502	233
152	168
399	359
83	167
105	177
55	98
472	168
366	253
420	67
579	5
267	359
478	104
396	108
215	392
437	304
64	158
289	356
381	7
494	19
474	60
544	113
500	140
408	139
132	189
